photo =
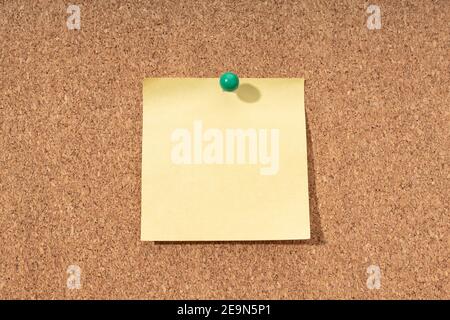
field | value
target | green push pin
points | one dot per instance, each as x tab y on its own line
229	81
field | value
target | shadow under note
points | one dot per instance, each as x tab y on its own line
317	237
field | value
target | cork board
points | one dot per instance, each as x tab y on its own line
377	107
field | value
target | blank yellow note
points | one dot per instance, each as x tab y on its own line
224	166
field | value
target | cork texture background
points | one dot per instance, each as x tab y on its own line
378	115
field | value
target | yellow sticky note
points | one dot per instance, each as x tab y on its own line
224	165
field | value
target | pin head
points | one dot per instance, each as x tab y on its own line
229	81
